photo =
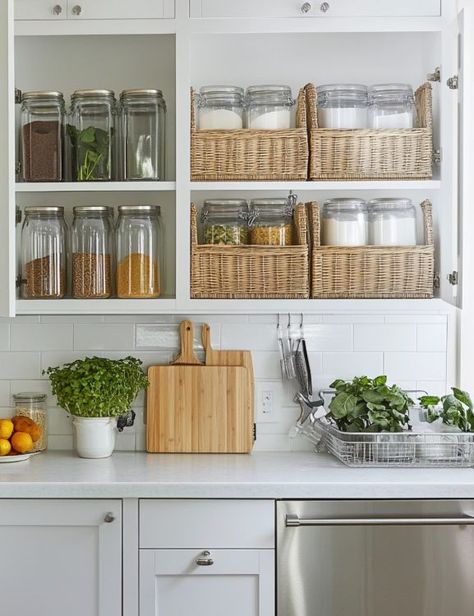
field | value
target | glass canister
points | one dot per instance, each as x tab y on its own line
392	222
391	105
91	244
225	221
92	134
33	406
42	136
142	134
43	253
269	107
344	222
342	106
271	222
139	251
220	107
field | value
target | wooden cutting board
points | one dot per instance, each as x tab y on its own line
193	408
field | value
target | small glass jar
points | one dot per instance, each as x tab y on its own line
92	242
42	136
220	107
271	222
269	107
392	222
391	105
43	253
139	251
92	135
342	106
344	222
225	222
142	134
33	406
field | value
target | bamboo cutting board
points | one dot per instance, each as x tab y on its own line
193	408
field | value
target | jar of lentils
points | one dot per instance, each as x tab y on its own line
225	221
271	222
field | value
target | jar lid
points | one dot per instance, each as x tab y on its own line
221	90
224	209
139	209
342	92
44	209
270	94
344	205
391	88
42	95
138	92
386	205
85	209
271	210
93	94
29	396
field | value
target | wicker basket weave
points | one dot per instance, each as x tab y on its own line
371	154
251	272
247	154
371	272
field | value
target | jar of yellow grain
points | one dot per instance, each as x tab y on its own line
139	249
271	222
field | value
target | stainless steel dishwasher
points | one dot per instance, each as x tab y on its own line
375	558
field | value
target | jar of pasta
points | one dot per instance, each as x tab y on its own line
225	221
33	406
271	222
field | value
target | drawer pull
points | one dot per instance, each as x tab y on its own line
204	559
77	9
325	7
57	9
109	518
306	7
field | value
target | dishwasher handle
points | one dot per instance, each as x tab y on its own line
295	521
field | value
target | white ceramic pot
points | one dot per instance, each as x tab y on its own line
94	437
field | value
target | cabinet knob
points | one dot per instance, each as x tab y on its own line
325	6
204	559
76	9
306	7
57	9
109	517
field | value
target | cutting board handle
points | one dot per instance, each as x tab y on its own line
186	356
206	337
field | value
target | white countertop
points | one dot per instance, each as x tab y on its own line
260	475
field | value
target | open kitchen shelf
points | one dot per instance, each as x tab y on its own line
78	187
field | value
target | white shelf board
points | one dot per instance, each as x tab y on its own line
63	187
81	27
314	186
95	306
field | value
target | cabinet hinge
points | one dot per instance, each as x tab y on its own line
453	82
436	76
453	278
254	432
436	280
437	156
18	96
17	215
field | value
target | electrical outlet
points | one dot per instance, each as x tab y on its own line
265	404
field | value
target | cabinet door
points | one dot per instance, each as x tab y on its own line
61	557
237	583
40	9
120	9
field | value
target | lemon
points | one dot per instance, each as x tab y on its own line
5	447
22	442
6	428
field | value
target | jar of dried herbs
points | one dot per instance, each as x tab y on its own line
42	133
271	222
225	221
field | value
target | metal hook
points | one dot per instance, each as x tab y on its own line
289	321
301	320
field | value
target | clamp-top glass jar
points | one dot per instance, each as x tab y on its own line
271	222
225	221
391	105
220	107
92	135
392	222
143	134
342	106
269	107
42	136
33	406
344	222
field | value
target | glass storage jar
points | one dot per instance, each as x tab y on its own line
391	105
33	406
42	136
43	253
92	134
92	241
269	107
392	222
142	134
220	107
344	222
271	222
342	106
225	221
139	251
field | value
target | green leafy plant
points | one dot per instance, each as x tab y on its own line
454	409
92	149
369	405
96	386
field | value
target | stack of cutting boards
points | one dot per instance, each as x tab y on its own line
201	408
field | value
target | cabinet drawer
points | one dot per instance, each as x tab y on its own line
40	9
121	9
300	8
206	523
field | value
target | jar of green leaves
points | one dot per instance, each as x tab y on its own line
225	221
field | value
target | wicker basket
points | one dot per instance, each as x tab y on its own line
246	154
371	154
251	272
371	272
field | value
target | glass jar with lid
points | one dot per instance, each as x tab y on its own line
391	105
271	222
33	406
392	222
225	221
142	134
92	135
269	107
43	253
344	222
342	106
220	107
139	251
42	136
91	245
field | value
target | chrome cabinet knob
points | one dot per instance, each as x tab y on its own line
77	9
204	559
325	7
57	9
109	518
306	7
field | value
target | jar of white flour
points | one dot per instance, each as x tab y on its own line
269	107
342	106
392	222
220	107
344	223
391	105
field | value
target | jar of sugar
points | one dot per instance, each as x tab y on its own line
220	107
392	222
342	106
391	105
344	223
269	107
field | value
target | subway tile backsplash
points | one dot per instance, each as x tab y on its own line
411	349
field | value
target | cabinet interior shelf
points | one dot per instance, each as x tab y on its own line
323	185
63	187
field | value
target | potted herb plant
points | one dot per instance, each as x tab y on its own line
96	391
454	410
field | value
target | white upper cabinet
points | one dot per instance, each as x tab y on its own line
40	9
93	9
300	8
